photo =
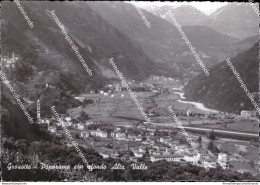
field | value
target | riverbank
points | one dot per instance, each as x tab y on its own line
198	105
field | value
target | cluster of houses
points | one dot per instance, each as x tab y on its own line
53	124
134	147
8	62
188	53
143	145
170	150
248	113
113	90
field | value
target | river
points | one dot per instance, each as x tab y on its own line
198	105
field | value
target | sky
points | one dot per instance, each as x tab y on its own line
206	7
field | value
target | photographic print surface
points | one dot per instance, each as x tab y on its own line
133	91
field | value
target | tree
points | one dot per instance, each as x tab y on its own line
22	71
212	147
83	116
212	135
252	164
77	136
199	141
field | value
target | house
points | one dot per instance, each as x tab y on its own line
102	134
169	151
222	157
68	119
120	136
211	164
156	153
110	86
166	140
172	145
131	137
191	158
114	155
151	129
80	126
99	133
104	152
134	159
69	144
118	88
137	153
223	160
52	129
93	133
142	149
168	158
150	151
84	134
160	148
89	123
142	127
138	138
80	98
118	129
176	141
50	86
205	156
247	113
58	123
46	120
67	124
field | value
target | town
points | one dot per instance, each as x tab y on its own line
140	142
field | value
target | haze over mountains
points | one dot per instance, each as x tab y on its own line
185	14
160	48
163	42
226	19
241	22
221	90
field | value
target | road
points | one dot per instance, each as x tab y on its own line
216	130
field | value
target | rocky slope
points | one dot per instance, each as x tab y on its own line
221	90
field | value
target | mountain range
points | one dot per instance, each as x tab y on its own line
104	30
226	20
186	15
162	42
45	56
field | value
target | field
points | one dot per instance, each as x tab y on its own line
117	110
123	110
243	126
